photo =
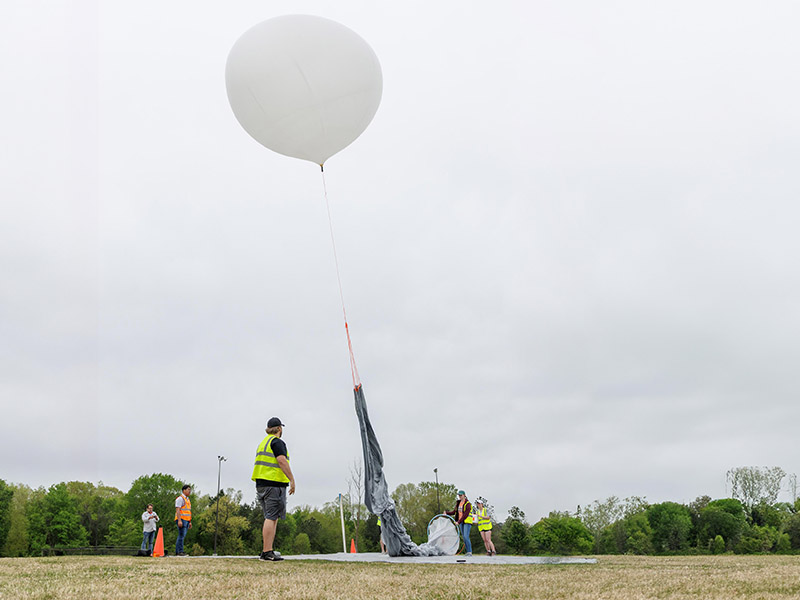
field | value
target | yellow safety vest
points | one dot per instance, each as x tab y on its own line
266	466
461	511
185	512
484	522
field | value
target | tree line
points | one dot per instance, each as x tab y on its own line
82	514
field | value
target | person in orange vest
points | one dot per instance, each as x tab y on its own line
183	517
463	514
273	476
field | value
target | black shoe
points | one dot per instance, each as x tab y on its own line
270	555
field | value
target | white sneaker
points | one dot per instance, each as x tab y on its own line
469	553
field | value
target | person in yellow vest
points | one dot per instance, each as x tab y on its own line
273	476
183	518
463	514
485	527
383	546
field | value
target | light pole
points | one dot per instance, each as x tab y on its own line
438	506
216	523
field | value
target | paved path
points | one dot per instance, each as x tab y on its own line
479	559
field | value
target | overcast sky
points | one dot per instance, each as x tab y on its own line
568	245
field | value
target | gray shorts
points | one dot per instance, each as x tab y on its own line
272	501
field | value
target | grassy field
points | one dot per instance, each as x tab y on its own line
619	577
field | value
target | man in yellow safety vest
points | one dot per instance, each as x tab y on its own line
273	476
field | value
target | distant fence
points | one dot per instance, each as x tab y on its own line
92	551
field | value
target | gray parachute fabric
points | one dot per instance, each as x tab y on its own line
376	492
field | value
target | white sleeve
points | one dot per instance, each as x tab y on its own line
179	502
144	516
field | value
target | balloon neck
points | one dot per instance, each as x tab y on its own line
321	168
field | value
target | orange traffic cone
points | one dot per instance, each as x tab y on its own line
158	548
352	546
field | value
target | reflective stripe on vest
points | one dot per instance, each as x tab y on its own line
185	512
461	512
484	522
266	466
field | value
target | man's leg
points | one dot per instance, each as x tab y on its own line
144	540
268	533
181	535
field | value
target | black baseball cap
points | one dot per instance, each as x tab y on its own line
275	422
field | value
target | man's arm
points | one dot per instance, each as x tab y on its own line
287	470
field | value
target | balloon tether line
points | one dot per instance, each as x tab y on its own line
353	368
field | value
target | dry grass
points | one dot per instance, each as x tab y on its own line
618	577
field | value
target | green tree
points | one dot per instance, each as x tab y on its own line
514	534
631	535
561	534
417	505
301	545
97	506
17	543
231	524
53	521
718	545
251	535
517	514
723	518
160	490
124	531
372	535
757	539
773	515
599	517
792	529
695	507
322	528
6	495
671	523
284	534
784	545
640	535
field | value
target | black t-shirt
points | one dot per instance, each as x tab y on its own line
278	449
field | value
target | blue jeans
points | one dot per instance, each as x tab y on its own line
148	540
181	534
465	527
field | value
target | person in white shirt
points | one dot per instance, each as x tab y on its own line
150	519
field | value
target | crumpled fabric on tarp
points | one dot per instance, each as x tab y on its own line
376	492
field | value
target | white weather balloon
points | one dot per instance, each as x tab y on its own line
303	86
